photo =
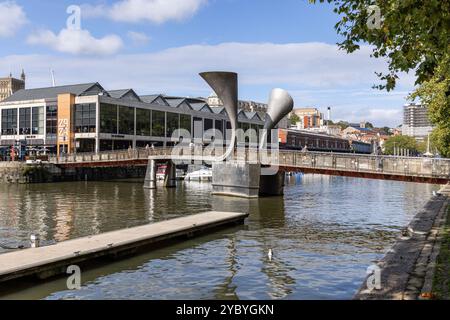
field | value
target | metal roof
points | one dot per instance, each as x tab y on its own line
51	92
122	93
175	102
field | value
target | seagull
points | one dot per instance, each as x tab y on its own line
270	254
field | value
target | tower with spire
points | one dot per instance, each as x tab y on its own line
9	85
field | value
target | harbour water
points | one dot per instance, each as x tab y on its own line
323	233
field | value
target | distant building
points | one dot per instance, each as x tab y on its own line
309	118
248	106
415	121
333	130
9	85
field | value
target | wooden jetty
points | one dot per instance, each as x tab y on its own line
52	260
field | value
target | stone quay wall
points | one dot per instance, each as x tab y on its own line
406	271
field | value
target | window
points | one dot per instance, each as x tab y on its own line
108	118
208	124
158	123
143	122
244	126
219	127
37	124
9	121
85	118
198	126
185	122
173	123
126	120
52	120
25	121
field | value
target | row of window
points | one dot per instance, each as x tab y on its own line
152	123
114	119
31	121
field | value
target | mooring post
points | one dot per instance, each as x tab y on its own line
150	176
170	179
35	240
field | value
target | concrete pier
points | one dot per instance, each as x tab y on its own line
150	175
235	178
272	185
52	260
170	178
240	179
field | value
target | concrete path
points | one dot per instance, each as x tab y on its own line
51	260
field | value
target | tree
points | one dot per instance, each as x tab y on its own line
400	142
343	124
294	119
369	125
386	131
413	36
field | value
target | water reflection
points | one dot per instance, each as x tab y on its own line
324	232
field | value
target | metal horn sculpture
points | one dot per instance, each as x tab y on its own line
225	85
280	105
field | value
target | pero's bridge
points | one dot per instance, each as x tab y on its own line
412	169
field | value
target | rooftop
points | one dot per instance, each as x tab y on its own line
53	92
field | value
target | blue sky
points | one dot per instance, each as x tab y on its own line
160	45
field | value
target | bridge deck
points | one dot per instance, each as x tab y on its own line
51	260
357	165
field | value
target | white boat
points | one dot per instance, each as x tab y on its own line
204	174
161	173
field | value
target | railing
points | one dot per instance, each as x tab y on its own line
110	156
404	166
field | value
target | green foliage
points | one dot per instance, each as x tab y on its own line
441	140
413	36
386	131
343	124
294	118
435	93
401	142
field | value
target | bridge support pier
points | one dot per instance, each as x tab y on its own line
272	185
170	179
150	176
236	179
239	179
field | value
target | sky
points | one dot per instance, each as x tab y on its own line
160	46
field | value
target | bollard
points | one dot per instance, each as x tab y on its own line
34	240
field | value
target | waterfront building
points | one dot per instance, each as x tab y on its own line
88	118
415	121
9	85
309	118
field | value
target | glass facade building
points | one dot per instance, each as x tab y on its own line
93	120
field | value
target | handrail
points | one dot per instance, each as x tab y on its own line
411	166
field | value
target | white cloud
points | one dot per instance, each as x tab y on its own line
155	11
138	38
78	42
316	74
12	18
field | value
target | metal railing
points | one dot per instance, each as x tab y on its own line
405	166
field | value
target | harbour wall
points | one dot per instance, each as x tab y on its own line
406	271
21	173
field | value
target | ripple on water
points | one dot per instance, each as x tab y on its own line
324	234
